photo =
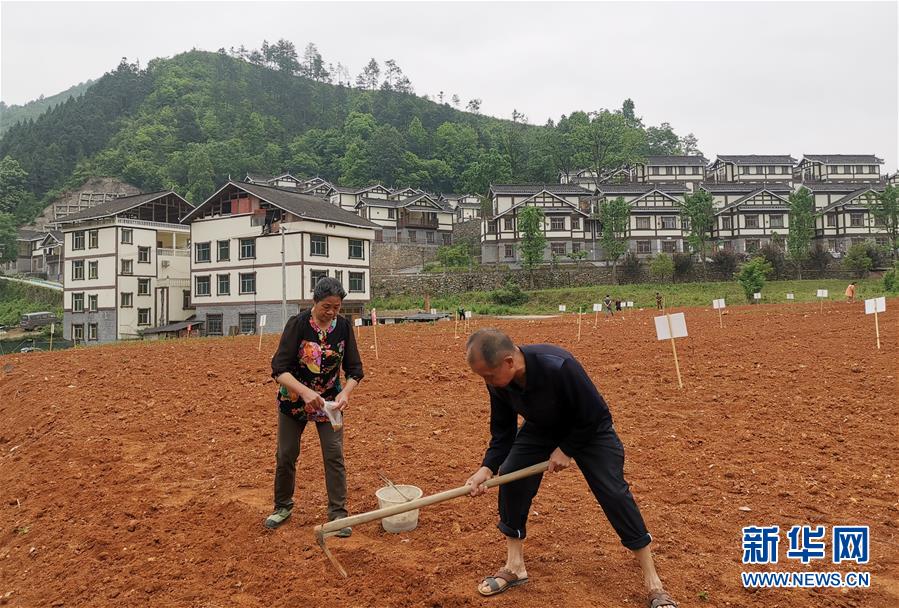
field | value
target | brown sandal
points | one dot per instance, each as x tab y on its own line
659	599
509	578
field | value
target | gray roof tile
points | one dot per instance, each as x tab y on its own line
118	205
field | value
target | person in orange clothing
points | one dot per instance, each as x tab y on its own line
850	293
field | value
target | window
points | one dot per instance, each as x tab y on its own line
223	285
669	246
576	223
669	222
882	241
557	223
247	249
681	170
752	221
214	325
491	227
429	237
509	223
725	222
78	302
143	255
127	299
202	288
202	253
92	267
642	223
127	236
318	245
143	316
247	282
77	332
78	270
413	236
223	251
831	220
695	171
78	240
654	170
557	248
357	249
143	287
315	276
509	251
575	248
92	303
777	221
447	238
752	245
127	266
391	214
644	247
185	299
744	171
246	323
92	331
857	219
668	170
93	239
357	282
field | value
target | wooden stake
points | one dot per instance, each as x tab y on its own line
53	327
374	331
680	383
456	328
822	305
595	318
876	327
578	324
260	340
720	318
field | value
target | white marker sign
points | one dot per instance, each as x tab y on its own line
467	314
562	308
629	304
875	305
357	322
261	320
433	311
757	295
822	293
678	326
716	304
790	296
597	308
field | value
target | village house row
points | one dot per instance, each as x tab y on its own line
152	264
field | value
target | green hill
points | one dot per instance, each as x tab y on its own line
14	114
192	121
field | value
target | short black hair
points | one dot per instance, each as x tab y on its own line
491	345
327	287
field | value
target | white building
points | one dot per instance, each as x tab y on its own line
839	168
655	222
847	220
687	170
419	219
751	168
236	264
126	267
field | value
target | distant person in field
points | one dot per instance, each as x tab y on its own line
565	418
607	305
850	292
461	313
617	304
659	301
314	347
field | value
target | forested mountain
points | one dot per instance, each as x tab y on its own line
192	121
10	115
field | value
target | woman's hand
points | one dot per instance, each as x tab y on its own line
313	401
342	400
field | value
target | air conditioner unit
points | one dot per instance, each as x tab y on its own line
165	263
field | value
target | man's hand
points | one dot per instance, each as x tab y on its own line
558	460
477	480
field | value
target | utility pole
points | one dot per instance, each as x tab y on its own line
283	279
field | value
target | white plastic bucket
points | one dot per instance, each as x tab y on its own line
388	497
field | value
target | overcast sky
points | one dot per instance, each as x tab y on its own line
744	77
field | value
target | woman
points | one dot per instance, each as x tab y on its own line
314	346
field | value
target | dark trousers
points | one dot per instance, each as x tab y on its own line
602	464
289	433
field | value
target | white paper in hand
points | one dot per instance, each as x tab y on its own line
678	326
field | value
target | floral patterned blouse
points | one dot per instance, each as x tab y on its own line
314	356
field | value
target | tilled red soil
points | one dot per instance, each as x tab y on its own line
140	474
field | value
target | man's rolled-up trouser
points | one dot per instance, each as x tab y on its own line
601	462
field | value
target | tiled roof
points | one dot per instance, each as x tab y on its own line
531	189
844	159
744	188
641	188
754	159
116	206
849	198
26	234
835	187
676	161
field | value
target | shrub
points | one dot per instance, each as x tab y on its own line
662	268
683	264
891	278
820	258
775	256
630	266
752	276
857	260
725	262
510	295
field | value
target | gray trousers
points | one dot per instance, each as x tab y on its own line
289	433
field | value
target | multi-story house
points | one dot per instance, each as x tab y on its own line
839	168
655	223
285	180
847	220
420	219
239	270
751	169
29	255
751	221
723	194
52	252
346	198
126	267
585	178
687	170
567	225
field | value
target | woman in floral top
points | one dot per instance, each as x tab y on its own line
314	346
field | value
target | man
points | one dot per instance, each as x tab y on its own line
565	418
659	301
607	304
850	293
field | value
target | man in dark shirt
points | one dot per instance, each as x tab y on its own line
565	418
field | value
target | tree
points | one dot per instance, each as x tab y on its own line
313	66
698	214
690	145
614	216
456	100
857	260
605	141
474	106
885	210
752	276
368	78
8	235
801	228
13	179
662	267
533	239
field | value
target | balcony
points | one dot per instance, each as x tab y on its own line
417	221
185	252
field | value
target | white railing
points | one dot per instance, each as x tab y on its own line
124	221
173	252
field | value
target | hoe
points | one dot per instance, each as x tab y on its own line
332	527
